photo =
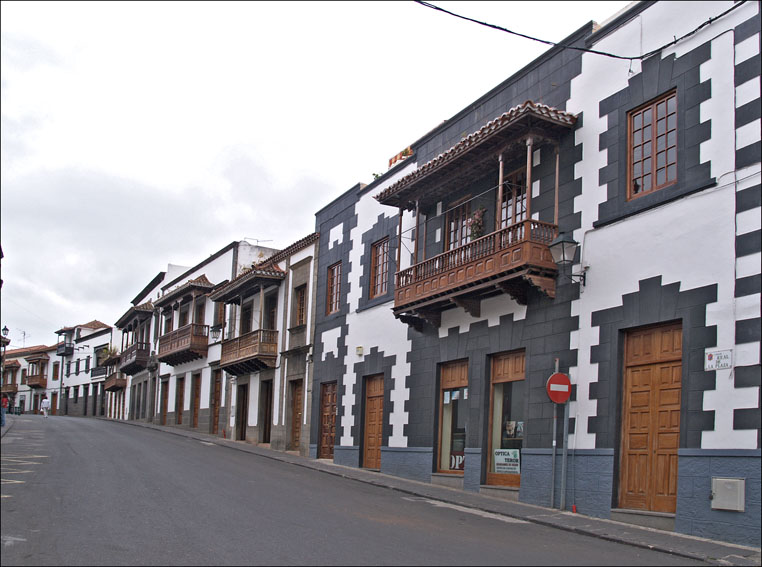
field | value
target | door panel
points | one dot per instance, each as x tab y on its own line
196	399
374	421
327	420
296	413
651	419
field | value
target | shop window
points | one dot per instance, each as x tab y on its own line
453	415
334	288
652	146
506	432
379	268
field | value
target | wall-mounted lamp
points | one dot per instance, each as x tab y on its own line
216	330
358	350
564	249
5	331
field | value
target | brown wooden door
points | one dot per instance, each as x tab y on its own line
242	411
180	400
54	403
196	398
327	420
297	400
266	409
164	401
216	401
374	421
651	419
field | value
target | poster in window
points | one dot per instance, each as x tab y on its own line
507	461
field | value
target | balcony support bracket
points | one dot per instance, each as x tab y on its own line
471	306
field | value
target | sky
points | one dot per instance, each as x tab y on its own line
139	134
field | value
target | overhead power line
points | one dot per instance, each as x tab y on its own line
584	49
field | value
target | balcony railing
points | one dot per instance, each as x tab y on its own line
98	371
251	352
9	388
185	344
64	349
37	381
523	245
135	358
115	381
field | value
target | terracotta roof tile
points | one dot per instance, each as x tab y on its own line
491	128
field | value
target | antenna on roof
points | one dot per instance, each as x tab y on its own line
257	240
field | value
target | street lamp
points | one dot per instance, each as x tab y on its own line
216	330
564	249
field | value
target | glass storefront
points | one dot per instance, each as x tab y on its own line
453	429
506	433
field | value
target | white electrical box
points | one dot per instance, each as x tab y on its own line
728	494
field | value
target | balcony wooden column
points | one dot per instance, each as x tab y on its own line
417	227
500	181
529	178
555	215
399	242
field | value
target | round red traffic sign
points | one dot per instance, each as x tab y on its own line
558	388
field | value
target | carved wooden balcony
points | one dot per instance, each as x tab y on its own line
135	358
9	388
115	381
251	352
509	260
187	343
37	381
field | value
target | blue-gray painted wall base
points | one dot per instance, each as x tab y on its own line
694	514
472	472
414	463
347	456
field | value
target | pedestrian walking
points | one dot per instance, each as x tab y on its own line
45	405
3	409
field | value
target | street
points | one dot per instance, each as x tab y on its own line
95	492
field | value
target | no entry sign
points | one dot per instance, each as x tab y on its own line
558	388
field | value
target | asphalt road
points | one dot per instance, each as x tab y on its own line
93	492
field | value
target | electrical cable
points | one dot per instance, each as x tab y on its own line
584	49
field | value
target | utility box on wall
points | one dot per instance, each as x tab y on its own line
728	494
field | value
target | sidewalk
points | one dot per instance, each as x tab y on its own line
713	552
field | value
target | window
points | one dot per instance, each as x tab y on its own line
87	364
245	325
506	436
23	375
183	317
458	229
379	268
68	367
300	305
168	322
652	146
514	206
453	412
334	288
200	312
219	314
56	370
76	366
271	312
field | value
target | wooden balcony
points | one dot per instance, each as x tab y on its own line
250	352
187	343
509	260
115	381
64	349
37	381
135	358
9	389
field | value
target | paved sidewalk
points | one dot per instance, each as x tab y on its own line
710	551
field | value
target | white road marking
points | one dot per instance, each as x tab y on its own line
10	540
480	513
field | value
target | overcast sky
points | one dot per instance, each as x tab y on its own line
137	134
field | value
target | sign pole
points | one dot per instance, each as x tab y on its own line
563	459
553	464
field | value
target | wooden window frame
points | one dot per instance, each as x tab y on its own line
300	305
459	212
448	383
652	170
379	268
333	289
56	369
514	192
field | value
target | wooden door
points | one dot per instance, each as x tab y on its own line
164	401
374	421
54	403
297	401
196	398
216	401
266	408
242	411
327	420
180	400
651	419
